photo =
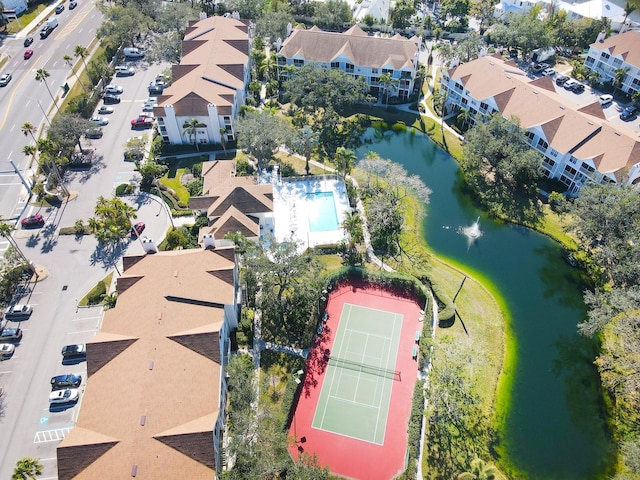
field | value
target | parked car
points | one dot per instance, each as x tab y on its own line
124	71
10	335
539	67
28	53
107	98
73	4
75	350
103	110
93	133
578	88
5	79
6	350
27	41
137	229
628	113
548	72
133	155
18	311
36	220
65	381
155	88
561	79
113	89
81	160
67	395
98	120
605	99
59	9
133	52
142	122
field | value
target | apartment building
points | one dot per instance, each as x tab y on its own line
356	53
620	52
579	145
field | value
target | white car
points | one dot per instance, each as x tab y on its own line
64	396
18	311
124	71
104	110
605	99
7	349
113	89
550	72
100	121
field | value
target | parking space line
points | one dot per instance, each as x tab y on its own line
81	331
53	435
85	318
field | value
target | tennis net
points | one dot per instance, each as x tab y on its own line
361	367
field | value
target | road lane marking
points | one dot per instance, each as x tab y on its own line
14	92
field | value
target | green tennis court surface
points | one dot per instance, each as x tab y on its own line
355	395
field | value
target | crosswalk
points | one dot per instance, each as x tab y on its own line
53	435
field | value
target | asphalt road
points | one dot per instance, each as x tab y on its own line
26	100
74	265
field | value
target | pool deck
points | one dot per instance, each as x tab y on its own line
292	209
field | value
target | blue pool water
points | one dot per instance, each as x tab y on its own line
322	212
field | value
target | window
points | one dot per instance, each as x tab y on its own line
570	170
573	160
542	144
349	67
374	70
374	80
387	71
465	101
298	63
588	168
553	153
605	56
549	162
335	64
617	62
530	136
227	120
483	106
636	82
589	61
457	86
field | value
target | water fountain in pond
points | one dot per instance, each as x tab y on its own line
472	232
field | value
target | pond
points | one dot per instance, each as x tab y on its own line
554	426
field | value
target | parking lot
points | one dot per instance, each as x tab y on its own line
31	426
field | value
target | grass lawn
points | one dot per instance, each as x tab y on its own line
298	164
107	284
177	168
25	19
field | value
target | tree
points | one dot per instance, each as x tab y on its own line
6	231
332	14
261	134
455	8
483	10
463	117
344	160
122	25
304	141
249	9
273	25
619	76
150	171
66	131
111	223
629	8
501	169
400	15
526	32
190	128
69	61
353	227
41	76
82	52
387	81
29	129
481	470
27	468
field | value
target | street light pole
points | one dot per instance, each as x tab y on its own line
39	105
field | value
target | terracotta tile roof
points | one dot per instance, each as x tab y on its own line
153	392
222	173
626	44
250	199
363	50
584	132
215	55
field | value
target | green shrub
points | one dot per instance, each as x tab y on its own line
124	189
380	125
96	295
399	127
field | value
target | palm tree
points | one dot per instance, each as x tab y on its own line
69	61
29	129
6	231
345	160
618	77
387	81
81	52
353	226
464	116
27	468
190	128
41	76
629	8
304	141
267	66
223	138
481	470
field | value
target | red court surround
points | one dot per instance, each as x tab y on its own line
349	457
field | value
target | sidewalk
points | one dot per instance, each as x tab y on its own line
35	23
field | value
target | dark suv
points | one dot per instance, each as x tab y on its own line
46	30
10	335
65	381
76	350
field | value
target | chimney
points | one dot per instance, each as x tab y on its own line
209	241
149	245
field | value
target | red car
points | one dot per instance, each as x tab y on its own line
28	53
137	229
142	122
33	221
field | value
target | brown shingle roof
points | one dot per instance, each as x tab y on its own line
214	57
626	45
363	50
152	396
584	132
248	199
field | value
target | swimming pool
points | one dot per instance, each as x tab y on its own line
322	212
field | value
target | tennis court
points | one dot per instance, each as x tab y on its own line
355	395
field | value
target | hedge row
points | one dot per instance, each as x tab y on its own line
415	430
